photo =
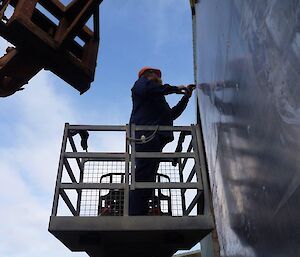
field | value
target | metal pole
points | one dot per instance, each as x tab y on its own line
60	170
198	166
198	162
127	159
182	190
133	157
73	146
80	190
207	196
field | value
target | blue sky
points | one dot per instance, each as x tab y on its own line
134	33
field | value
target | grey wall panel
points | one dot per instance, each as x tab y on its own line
248	54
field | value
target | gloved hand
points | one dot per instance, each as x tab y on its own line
191	86
189	90
181	89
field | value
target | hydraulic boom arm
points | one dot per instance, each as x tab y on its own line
46	34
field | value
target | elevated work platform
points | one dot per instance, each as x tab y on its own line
130	236
91	202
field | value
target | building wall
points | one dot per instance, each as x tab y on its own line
248	56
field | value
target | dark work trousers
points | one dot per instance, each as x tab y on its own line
145	171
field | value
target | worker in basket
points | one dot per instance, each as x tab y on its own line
151	108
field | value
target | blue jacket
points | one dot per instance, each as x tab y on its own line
151	108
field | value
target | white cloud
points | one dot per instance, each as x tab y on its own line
31	131
163	25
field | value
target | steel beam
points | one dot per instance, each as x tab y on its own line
68	202
127	170
55	7
60	171
25	8
167	185
158	155
77	15
97	156
69	171
92	186
130	223
163	128
133	156
98	127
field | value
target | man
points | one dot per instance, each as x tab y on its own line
151	108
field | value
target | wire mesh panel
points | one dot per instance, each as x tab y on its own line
89	202
170	199
110	202
96	171
96	202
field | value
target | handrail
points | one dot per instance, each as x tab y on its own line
128	157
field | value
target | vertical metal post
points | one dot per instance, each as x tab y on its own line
25	8
196	154
74	149
60	170
132	129
182	190
80	190
90	52
198	167
127	159
96	19
207	196
3	7
77	14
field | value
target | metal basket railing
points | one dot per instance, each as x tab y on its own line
98	183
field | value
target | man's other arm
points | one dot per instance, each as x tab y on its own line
178	109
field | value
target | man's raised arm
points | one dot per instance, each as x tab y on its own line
178	109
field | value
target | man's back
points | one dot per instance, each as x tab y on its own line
149	104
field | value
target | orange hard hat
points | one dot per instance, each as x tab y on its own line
144	69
